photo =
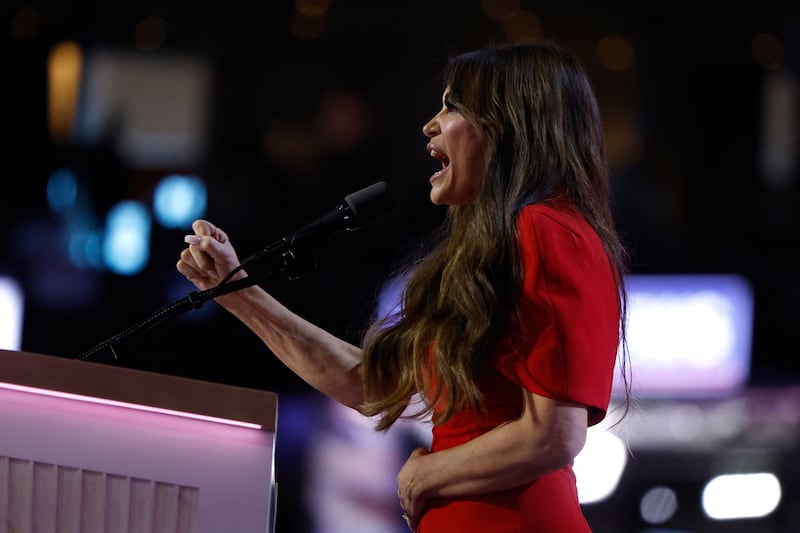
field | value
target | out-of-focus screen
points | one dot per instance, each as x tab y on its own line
11	307
688	336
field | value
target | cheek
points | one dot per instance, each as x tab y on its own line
468	152
478	152
476	159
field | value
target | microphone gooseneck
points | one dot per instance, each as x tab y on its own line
356	211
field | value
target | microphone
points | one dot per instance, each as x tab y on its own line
355	211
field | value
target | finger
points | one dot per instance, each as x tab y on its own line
202	255
187	259
207	229
411	522
203	227
220	236
187	267
201	259
419	451
188	272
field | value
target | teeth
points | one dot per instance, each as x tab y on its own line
438	155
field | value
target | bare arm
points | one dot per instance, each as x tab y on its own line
326	362
548	435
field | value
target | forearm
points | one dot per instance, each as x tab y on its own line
547	435
503	458
324	361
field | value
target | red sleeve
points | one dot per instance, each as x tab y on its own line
563	342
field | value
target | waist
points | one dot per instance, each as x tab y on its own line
547	504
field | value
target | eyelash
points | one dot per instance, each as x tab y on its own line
450	106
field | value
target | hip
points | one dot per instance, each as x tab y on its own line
547	505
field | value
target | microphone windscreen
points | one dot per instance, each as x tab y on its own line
370	203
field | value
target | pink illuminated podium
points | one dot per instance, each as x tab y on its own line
92	448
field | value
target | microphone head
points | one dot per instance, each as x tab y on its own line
369	204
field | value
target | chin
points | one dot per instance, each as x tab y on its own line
435	200
442	198
436	196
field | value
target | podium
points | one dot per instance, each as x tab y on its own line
92	448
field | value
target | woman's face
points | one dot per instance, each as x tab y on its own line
461	148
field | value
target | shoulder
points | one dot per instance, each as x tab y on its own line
555	222
557	215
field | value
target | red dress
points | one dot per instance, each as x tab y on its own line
563	347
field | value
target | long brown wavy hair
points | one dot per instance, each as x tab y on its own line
544	137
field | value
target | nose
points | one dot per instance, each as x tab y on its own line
431	128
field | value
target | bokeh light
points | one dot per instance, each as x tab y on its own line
178	200
126	245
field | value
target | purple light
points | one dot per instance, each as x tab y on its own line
138	407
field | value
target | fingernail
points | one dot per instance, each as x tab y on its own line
191	239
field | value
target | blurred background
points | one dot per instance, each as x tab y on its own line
125	122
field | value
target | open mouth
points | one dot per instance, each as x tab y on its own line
441	157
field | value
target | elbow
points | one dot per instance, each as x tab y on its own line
555	430
353	396
346	388
559	449
353	401
572	445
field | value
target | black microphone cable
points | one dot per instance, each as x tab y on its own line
355	211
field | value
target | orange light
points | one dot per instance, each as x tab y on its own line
64	66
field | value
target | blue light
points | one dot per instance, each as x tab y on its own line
85	248
179	200
62	190
126	246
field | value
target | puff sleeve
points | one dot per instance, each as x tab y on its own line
563	341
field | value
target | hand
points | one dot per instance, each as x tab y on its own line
209	257
412	498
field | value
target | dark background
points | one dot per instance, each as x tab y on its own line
689	192
684	122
